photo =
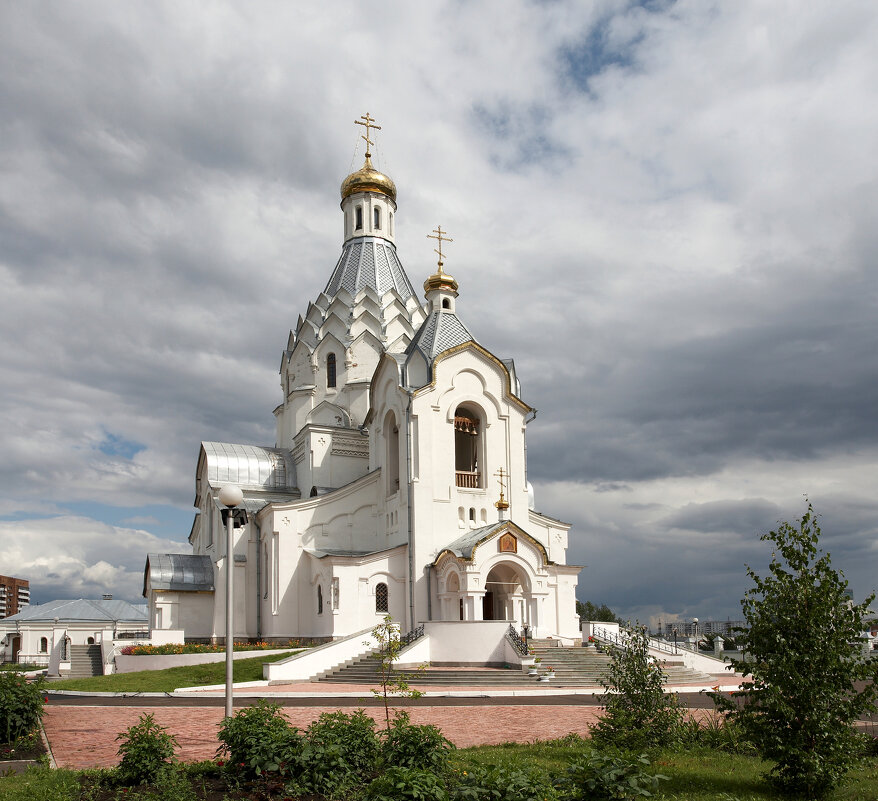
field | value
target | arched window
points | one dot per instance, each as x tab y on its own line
381	598
467	443
446	304
359	225
44	645
472	513
330	370
391	437
319	600
90	641
265	570
390	222
377	218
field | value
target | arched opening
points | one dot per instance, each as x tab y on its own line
359	217
376	216
330	370
467	447
90	641
446	304
391	440
319	600
390	222
382	598
507	591
44	645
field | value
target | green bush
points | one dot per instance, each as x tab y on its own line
341	752
400	784
493	783
259	739
639	713
21	706
146	749
611	776
408	746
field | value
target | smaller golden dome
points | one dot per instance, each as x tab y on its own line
441	280
368	179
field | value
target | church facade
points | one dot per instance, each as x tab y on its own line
398	481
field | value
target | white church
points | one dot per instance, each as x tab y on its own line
398	481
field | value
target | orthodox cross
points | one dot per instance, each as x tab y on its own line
501	476
441	236
368	124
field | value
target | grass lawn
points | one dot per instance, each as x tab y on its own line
698	775
165	681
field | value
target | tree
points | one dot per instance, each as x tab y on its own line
804	657
638	711
599	614
387	652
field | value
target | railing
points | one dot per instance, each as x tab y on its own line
614	638
468	479
517	642
414	634
132	635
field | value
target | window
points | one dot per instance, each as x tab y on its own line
391	436
467	442
377	218
381	598
359	225
390	222
335	593
265	569
319	600
472	513
446	304
330	370
44	645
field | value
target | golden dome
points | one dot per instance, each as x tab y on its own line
368	179
441	280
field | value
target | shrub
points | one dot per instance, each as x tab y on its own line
611	776
21	706
399	784
492	783
146	749
639	714
408	746
259	739
340	753
805	662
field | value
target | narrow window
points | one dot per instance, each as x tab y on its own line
466	449
359	225
44	645
265	569
390	222
335	593
391	435
319	600
472	513
381	598
330	370
446	304
377	216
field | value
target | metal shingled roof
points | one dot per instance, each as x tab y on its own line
82	609
369	262
439	332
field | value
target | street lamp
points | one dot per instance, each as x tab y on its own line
695	633
230	496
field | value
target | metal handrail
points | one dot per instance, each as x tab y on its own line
517	642
414	634
616	639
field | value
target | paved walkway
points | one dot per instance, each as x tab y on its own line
82	729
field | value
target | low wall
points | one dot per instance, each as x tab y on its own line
131	663
306	665
469	642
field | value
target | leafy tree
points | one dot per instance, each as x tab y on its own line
599	614
391	683
804	657
639	713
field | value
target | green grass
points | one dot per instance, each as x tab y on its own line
698	775
169	679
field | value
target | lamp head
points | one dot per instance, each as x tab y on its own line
230	495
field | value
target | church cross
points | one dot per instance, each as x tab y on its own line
502	475
440	235
368	124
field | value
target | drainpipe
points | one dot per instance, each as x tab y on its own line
410	504
526	421
258	580
429	592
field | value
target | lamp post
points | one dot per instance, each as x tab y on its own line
675	640
695	633
230	496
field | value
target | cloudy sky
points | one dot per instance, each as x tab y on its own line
665	212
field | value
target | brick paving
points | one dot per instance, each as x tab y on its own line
84	736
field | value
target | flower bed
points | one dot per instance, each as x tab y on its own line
197	648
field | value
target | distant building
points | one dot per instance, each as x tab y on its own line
687	628
14	595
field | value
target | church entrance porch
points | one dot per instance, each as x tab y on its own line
507	591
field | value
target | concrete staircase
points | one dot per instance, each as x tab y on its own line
85	661
574	667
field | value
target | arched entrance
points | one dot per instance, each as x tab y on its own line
507	590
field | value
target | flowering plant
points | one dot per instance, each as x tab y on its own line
200	648
592	639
